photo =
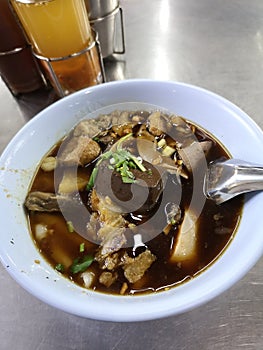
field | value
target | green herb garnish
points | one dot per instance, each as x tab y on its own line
81	264
82	247
120	160
70	226
60	268
92	178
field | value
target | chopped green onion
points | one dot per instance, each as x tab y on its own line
128	180
172	222
120	160
81	264
92	178
120	141
138	163
70	226
82	247
131	165
60	268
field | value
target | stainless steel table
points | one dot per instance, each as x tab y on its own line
218	45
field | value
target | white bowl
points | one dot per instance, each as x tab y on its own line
242	137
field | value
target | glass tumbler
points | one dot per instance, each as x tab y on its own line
18	67
60	32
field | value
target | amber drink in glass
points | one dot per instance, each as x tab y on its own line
60	34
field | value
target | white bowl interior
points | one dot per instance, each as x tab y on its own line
240	135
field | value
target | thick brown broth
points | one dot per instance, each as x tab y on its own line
216	227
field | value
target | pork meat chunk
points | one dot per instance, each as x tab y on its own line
79	151
91	127
158	123
120	117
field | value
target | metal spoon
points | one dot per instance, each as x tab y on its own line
227	179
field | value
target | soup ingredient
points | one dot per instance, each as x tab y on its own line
41	231
70	226
42	201
49	163
135	268
71	182
60	268
79	150
185	245
112	228
108	278
81	264
141	193
49	202
120	160
88	278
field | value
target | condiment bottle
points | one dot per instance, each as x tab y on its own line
18	67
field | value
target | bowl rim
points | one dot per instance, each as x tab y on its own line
136	308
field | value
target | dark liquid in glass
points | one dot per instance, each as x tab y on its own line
18	67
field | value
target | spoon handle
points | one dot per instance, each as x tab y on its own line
248	178
230	178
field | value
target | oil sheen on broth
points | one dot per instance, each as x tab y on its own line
118	205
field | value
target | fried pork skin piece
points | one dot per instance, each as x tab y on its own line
135	268
111	262
111	233
112	236
108	278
